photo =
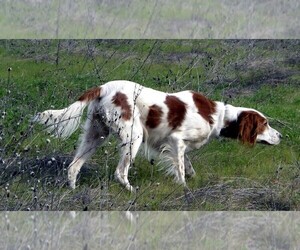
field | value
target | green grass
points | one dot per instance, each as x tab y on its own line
44	77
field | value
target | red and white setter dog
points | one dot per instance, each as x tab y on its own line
170	124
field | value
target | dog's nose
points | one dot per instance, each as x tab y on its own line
279	135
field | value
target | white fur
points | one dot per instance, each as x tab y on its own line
63	122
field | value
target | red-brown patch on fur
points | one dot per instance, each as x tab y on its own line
154	116
248	125
121	100
205	106
177	111
90	94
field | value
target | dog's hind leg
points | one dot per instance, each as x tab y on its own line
95	133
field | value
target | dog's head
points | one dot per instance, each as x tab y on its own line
251	126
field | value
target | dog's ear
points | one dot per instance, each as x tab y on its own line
247	127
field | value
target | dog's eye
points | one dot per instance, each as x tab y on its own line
265	123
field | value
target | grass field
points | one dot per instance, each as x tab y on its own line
262	74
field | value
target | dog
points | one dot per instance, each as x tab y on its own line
171	124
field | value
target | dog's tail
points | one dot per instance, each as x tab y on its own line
63	122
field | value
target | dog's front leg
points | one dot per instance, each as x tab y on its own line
129	148
189	170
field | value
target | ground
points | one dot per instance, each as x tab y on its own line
40	74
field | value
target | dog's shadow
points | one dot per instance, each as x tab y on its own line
48	170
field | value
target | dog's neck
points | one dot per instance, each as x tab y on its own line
231	113
225	113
